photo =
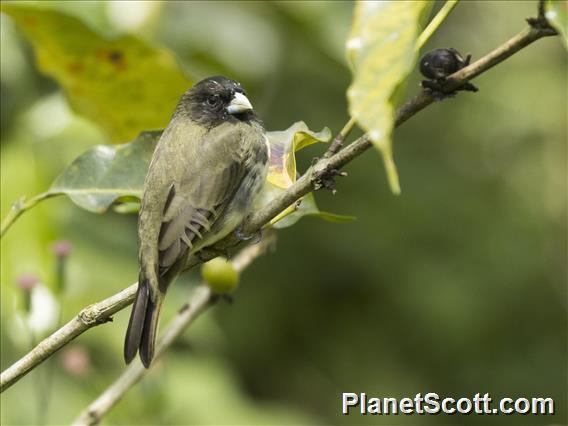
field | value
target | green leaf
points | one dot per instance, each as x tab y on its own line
283	145
113	175
107	173
124	83
334	217
382	51
556	12
282	173
308	207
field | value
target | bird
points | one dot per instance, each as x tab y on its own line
206	171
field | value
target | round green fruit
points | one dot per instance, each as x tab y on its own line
220	275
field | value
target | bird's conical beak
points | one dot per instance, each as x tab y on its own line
239	104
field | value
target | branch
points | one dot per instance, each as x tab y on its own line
337	142
541	10
324	166
91	316
302	186
20	207
200	300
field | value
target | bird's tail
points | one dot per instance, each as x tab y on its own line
143	324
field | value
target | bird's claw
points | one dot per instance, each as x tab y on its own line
255	237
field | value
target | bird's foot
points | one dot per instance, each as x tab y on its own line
241	236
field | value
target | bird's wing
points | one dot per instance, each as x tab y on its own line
200	196
193	207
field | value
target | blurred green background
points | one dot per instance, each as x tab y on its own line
458	286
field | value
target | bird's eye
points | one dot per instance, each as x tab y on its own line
213	100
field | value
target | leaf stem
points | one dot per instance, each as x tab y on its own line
435	23
337	142
20	207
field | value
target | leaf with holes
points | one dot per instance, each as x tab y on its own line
382	51
124	84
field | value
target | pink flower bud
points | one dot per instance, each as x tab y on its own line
76	361
27	281
61	248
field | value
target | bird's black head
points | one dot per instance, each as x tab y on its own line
215	100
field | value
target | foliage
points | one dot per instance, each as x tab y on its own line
104	77
105	174
382	51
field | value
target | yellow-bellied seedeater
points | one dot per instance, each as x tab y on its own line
208	166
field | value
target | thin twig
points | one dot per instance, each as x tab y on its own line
507	49
20	207
435	22
541	10
199	301
300	188
337	142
